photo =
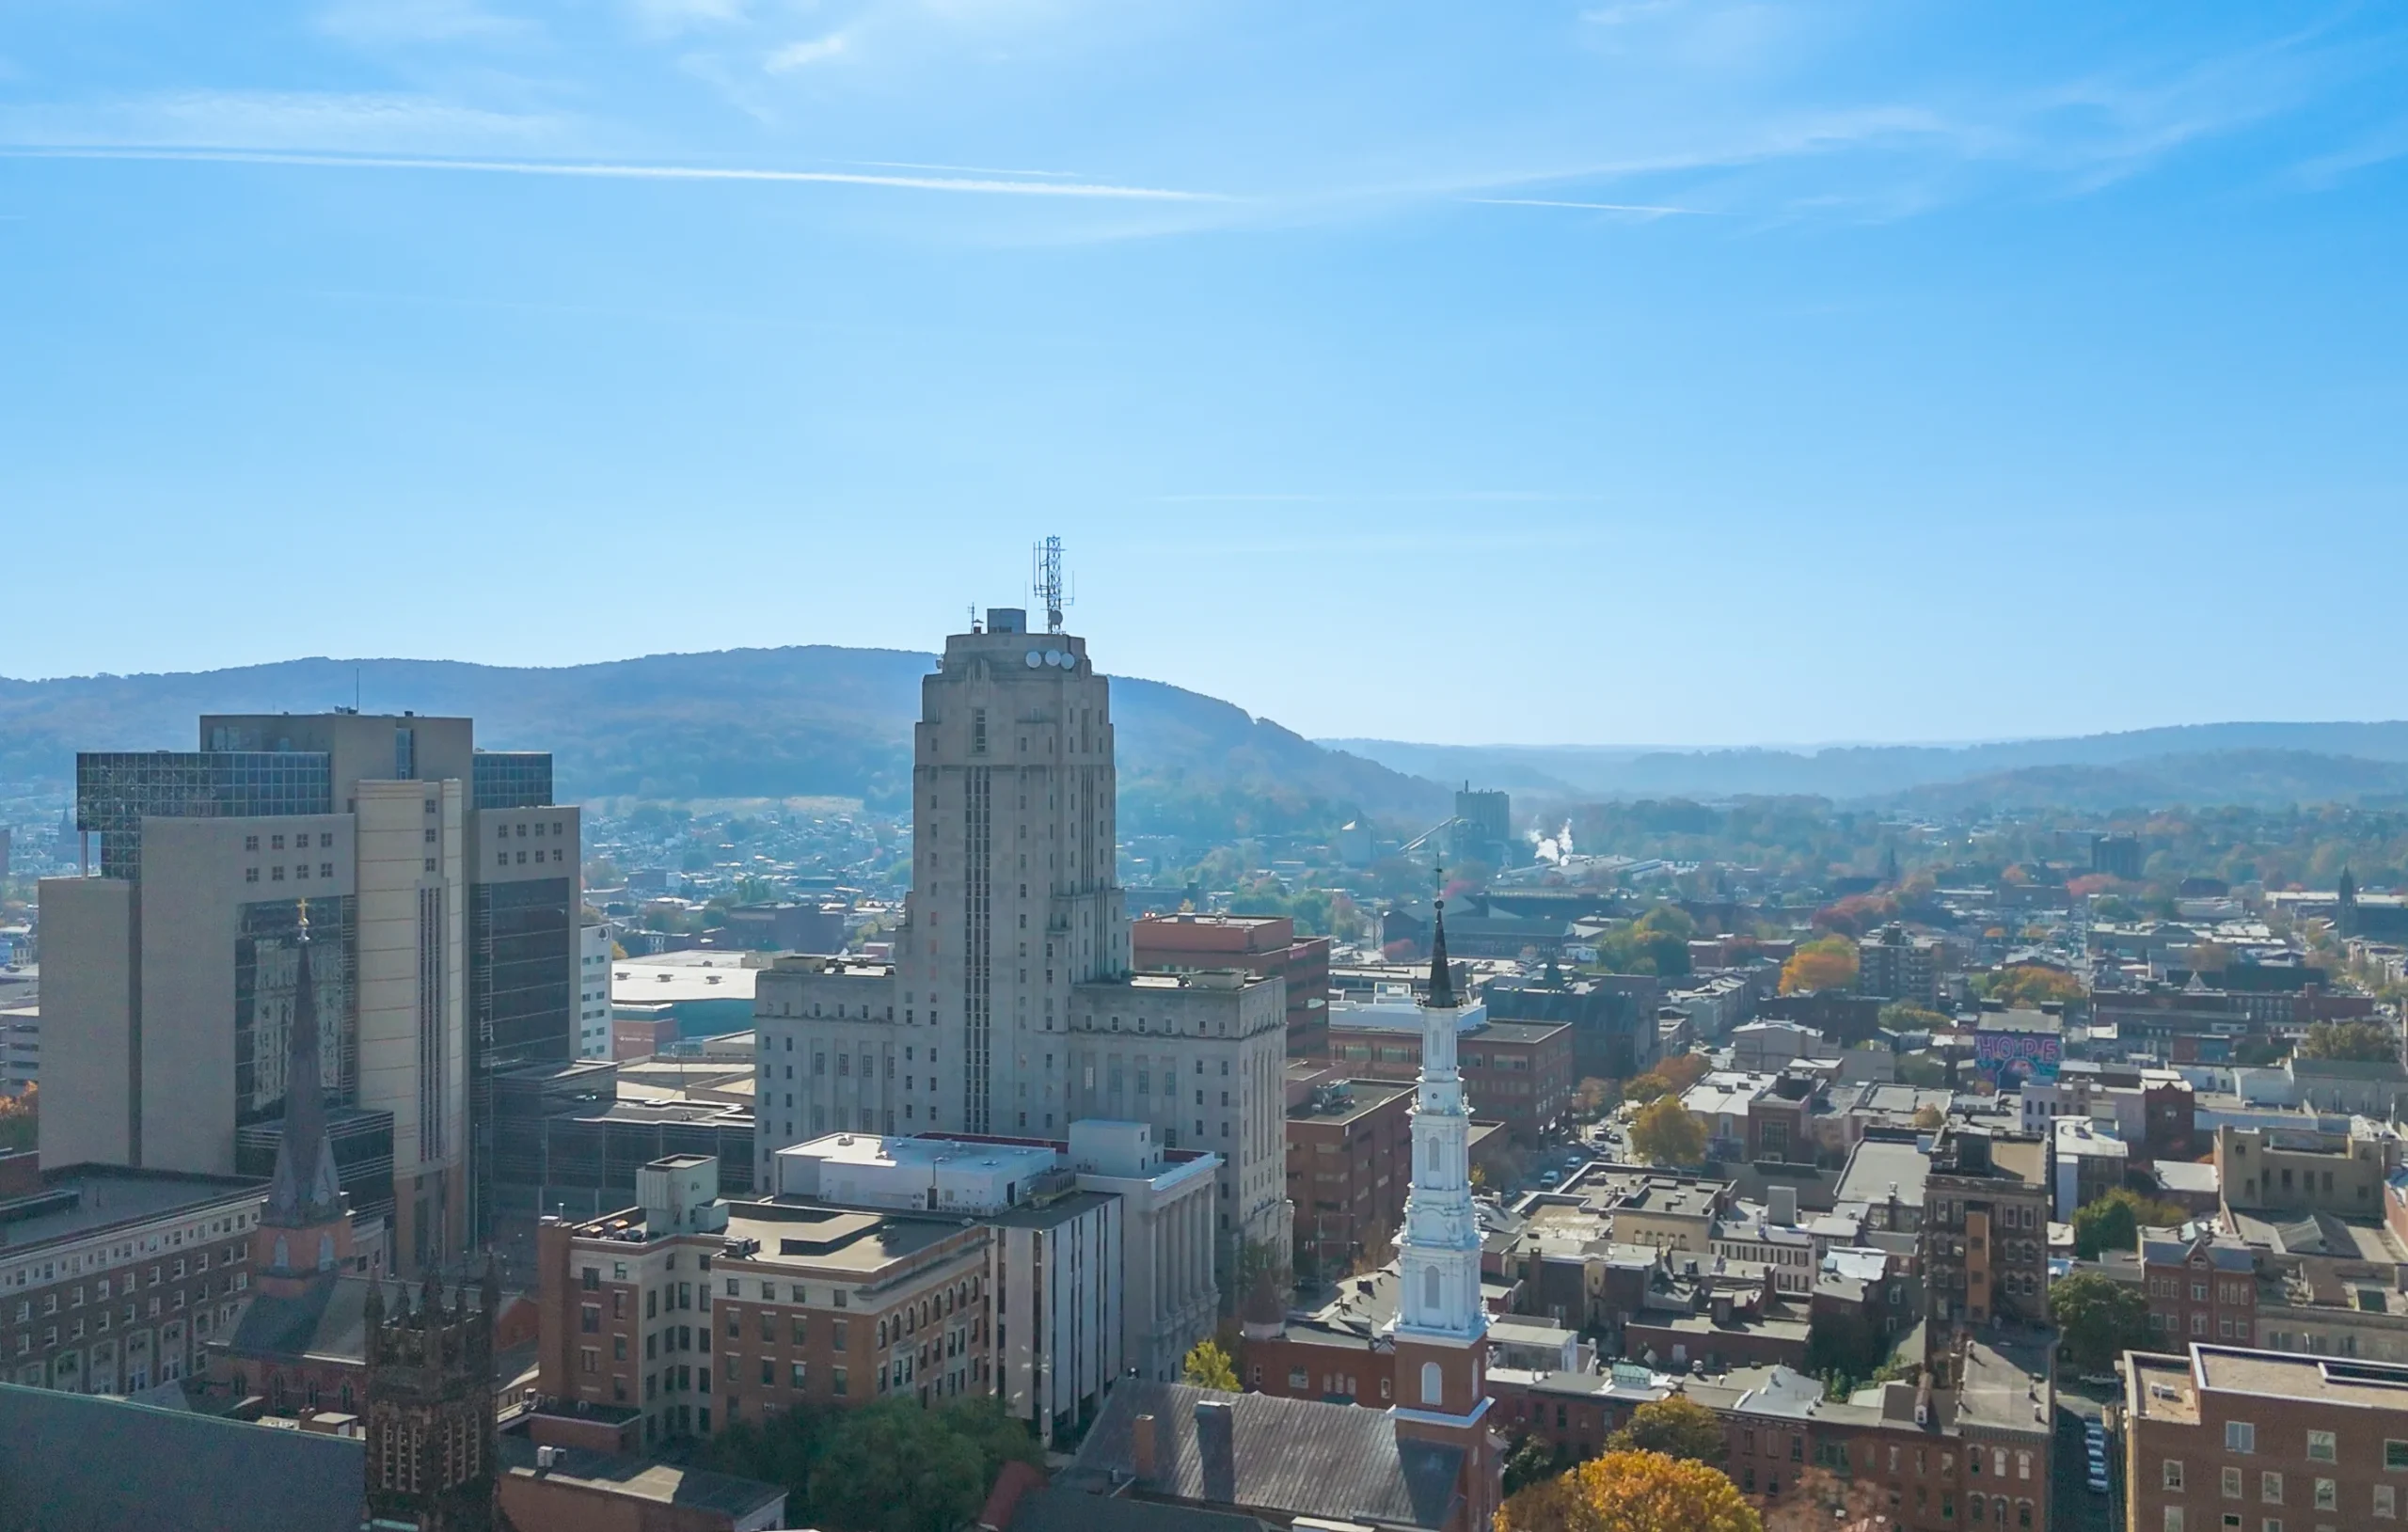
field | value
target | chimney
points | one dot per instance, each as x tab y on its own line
1216	1445
1141	1434
1781	1205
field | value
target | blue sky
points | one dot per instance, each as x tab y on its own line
1653	370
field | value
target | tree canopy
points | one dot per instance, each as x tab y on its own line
2098	1319
1656	943
1843	1349
1209	1366
894	1465
2030	985
1906	1016
1632	1491
2114	1221
2366	1042
1677	1427
1666	1133
1829	963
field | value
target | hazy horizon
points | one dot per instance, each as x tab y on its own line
1804	746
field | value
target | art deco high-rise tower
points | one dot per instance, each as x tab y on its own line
1013	894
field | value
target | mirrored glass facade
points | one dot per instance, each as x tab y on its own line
116	790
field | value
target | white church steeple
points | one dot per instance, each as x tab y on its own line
1439	1255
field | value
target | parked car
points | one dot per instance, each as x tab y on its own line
1550	1178
2099	1379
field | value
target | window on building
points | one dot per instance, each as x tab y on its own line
2241	1436
2320	1446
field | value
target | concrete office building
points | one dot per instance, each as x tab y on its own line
594	991
443	883
1011	972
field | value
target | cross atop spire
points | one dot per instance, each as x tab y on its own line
1442	978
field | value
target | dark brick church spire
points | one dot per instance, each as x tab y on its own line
1442	978
304	1192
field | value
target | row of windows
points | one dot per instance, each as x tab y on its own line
2382	1509
2323	1446
300	842
300	871
502	859
2325	1493
2227	1329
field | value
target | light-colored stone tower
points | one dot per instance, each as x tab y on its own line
1441	1329
1013	896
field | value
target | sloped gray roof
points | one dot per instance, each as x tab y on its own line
1287	1458
1057	1508
78	1462
328	1319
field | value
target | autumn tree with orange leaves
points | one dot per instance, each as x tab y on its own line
1827	964
1632	1491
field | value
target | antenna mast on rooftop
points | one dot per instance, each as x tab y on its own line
1045	580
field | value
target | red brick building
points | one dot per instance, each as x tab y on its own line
2223	1437
2203	1288
1350	1163
1518	1073
698	1320
1265	945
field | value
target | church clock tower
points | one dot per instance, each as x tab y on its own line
1441	1333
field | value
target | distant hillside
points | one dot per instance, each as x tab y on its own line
2252	778
735	723
2234	764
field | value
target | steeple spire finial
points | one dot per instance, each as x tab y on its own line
305	1191
1442	978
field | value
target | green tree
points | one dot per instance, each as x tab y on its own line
1531	1463
1666	1133
889	1466
894	1466
1678	1426
2363	1041
1843	1347
2098	1319
1906	1016
2114	1221
1209	1366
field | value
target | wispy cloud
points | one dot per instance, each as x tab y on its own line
983	186
297	121
2384	145
795	56
1642	210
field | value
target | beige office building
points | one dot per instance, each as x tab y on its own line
442	889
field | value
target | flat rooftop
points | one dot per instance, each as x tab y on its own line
1517	1031
2002	1374
1668	1197
806	1234
80	1200
1363	1098
1876	1164
641	1478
